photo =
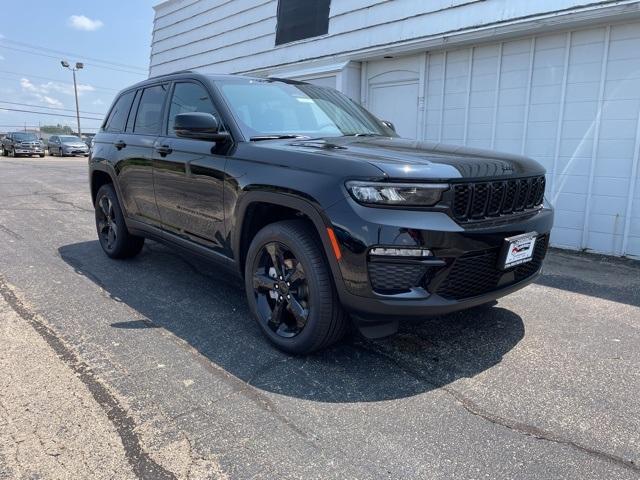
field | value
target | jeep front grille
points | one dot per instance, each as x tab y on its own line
481	200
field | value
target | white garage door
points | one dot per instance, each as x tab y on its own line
570	100
393	87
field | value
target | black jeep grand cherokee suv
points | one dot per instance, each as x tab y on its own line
317	204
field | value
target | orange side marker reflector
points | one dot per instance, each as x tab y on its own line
334	243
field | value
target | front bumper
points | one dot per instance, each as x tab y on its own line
462	273
76	151
29	151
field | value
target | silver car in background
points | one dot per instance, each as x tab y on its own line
63	145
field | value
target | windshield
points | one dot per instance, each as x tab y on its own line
69	138
25	137
266	108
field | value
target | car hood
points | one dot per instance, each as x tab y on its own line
408	159
74	144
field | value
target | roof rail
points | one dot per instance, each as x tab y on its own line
172	73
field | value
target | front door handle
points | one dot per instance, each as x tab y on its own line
164	150
120	144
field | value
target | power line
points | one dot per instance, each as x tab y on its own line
51	79
48	108
58	58
51	114
59	52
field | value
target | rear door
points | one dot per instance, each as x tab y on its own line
189	173
134	149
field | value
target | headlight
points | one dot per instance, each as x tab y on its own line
407	194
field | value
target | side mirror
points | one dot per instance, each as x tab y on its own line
388	124
199	125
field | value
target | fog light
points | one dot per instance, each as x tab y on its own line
400	252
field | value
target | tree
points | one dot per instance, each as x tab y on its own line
57	129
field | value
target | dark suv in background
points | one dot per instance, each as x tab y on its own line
16	144
325	213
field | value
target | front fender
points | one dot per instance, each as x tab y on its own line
290	200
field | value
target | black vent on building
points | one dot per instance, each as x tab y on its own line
298	19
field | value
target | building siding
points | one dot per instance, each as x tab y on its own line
239	35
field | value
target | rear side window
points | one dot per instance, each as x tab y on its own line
149	116
118	116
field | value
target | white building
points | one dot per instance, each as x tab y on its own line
557	80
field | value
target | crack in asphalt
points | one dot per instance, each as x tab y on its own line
10	232
475	409
71	204
142	464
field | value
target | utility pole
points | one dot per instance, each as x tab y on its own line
79	66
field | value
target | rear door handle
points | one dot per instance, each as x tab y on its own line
120	144
164	150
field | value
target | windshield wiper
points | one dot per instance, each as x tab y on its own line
274	137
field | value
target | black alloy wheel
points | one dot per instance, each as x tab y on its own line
107	226
115	239
290	288
281	290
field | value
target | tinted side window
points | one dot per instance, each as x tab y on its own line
298	19
189	97
148	118
119	113
134	108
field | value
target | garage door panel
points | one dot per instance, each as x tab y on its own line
397	102
633	247
544	113
607	224
566	237
616	148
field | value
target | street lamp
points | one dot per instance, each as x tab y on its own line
79	66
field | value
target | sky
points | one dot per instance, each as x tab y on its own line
35	35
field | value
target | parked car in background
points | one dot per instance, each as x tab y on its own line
63	145
16	144
319	206
87	138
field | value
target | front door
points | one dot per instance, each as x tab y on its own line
189	174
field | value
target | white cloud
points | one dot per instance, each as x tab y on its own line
26	84
39	92
1	57
52	102
97	101
47	88
81	22
65	88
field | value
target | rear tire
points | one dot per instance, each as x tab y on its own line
115	239
303	313
41	155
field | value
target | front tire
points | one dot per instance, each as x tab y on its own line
290	289
115	239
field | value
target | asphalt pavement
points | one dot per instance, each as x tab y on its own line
178	382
